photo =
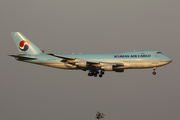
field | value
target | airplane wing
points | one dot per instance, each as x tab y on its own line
70	59
63	57
83	63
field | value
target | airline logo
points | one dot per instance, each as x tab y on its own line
131	56
24	45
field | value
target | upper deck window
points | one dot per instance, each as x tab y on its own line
159	53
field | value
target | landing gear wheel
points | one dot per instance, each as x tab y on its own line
154	73
89	74
100	75
102	72
95	73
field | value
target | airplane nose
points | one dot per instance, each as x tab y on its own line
168	59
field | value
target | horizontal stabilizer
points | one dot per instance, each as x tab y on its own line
23	57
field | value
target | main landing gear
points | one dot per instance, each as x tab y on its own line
101	73
95	73
154	71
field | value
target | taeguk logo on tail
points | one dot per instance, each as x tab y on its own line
24	45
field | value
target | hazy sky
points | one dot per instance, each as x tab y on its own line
33	92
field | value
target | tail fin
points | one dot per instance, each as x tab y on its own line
24	45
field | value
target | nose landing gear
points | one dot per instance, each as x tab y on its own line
154	71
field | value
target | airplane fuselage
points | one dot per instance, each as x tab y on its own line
131	60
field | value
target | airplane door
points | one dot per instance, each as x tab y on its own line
153	54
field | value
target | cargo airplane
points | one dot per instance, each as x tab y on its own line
96	64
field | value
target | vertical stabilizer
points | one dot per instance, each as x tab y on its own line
24	45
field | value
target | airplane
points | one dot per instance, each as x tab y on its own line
99	115
96	64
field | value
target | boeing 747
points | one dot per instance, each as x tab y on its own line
96	64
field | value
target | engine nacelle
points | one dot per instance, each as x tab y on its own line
82	64
107	68
119	70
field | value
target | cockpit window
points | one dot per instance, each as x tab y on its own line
159	53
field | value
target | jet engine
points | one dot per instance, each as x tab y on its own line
82	64
107	68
